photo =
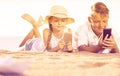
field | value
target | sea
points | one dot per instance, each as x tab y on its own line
10	43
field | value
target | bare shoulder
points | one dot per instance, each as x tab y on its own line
46	30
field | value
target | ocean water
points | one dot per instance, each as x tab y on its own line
10	43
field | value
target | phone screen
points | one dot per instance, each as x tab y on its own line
107	31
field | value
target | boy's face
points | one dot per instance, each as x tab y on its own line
98	23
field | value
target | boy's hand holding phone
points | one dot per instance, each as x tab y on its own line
106	42
107	32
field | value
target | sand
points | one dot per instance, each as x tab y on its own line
67	64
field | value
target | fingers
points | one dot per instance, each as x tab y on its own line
69	46
65	46
108	42
61	44
106	37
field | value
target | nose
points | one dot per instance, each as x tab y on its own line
101	24
59	22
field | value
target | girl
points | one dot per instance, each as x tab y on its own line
58	37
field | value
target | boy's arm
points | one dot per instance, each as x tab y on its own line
93	49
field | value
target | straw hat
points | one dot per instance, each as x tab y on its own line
60	12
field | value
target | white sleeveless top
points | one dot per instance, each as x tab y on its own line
54	41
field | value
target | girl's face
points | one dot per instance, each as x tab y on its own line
58	24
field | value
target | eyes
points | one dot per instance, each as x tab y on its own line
59	19
99	21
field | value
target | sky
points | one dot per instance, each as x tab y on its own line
11	23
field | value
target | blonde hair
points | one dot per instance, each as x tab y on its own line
100	8
50	34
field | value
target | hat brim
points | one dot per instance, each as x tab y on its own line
69	19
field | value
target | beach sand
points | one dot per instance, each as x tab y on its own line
67	64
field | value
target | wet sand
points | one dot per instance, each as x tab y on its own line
68	64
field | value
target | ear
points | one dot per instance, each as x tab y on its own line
89	19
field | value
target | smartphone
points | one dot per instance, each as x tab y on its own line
107	31
67	37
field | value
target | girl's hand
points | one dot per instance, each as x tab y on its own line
61	44
69	46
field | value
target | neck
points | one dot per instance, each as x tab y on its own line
98	34
58	34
